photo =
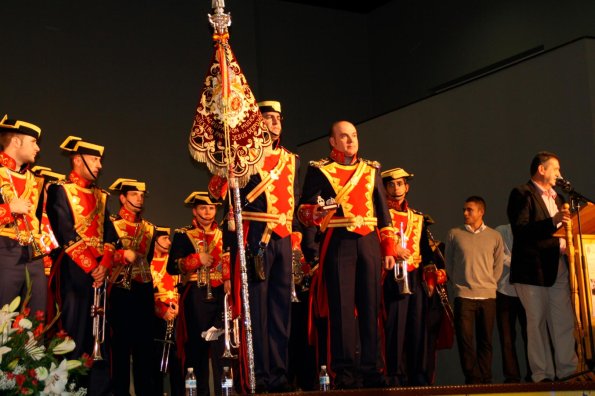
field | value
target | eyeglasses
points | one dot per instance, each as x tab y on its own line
270	117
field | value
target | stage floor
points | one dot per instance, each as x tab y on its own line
578	387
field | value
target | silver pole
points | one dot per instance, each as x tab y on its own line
220	21
244	279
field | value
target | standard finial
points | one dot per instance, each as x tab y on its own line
219	20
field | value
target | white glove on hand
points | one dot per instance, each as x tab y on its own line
211	334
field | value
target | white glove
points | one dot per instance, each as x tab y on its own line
211	334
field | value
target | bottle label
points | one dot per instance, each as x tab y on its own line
325	380
227	383
191	384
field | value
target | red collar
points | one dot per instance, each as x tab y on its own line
159	255
394	204
196	224
9	162
128	215
339	156
79	181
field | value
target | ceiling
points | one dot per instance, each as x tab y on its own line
362	7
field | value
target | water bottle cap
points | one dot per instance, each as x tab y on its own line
323	367
190	369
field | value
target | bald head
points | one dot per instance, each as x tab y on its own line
343	138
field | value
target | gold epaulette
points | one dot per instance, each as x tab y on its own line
417	211
320	163
59	182
374	164
288	152
183	230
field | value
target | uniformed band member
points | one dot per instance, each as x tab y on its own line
406	303
351	253
20	214
197	254
271	236
165	288
77	210
49	239
131	296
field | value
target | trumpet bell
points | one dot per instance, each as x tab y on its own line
97	351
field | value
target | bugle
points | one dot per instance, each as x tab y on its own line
400	270
231	329
122	275
98	315
203	273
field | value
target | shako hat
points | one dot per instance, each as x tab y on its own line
17	126
76	145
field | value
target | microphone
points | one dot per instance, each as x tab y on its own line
563	184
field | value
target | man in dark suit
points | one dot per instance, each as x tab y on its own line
540	272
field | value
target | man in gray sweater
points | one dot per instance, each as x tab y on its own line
474	261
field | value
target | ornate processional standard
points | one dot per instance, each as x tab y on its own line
229	135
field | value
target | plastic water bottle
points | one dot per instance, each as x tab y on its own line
190	382
324	379
226	382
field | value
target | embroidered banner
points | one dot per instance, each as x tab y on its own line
228	133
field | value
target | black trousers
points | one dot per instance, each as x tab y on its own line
303	368
405	332
200	315
76	293
352	268
14	262
509	311
434	317
474	324
270	308
131	319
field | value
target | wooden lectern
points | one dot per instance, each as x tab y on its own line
581	263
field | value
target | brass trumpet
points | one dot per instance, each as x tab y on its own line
231	329
98	315
28	238
123	275
204	274
401	271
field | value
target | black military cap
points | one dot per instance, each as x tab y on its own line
123	185
17	126
76	145
200	198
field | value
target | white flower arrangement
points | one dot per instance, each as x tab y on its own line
28	365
